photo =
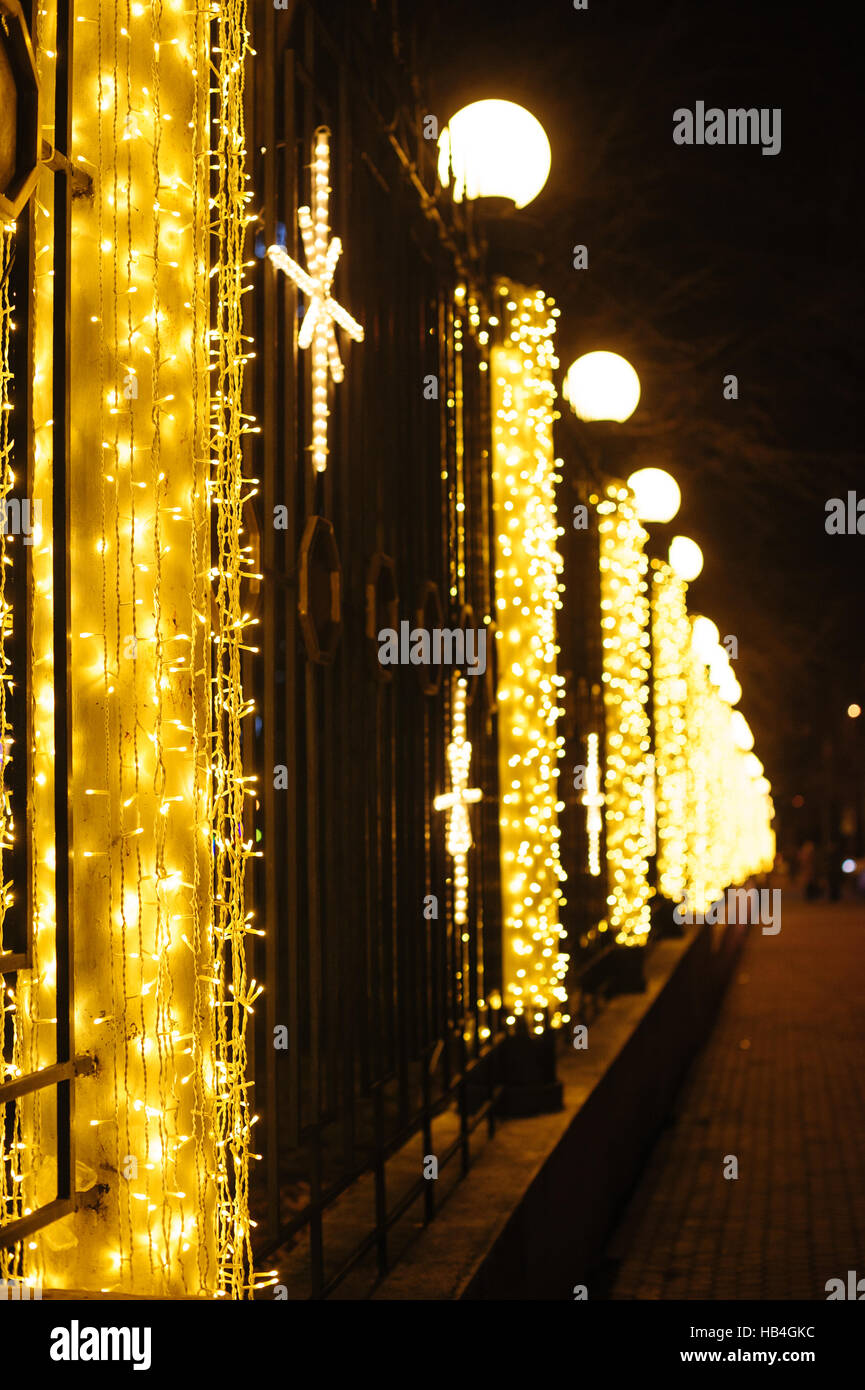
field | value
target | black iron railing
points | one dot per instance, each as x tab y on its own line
66	1066
377	1047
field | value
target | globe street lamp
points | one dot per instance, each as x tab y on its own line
742	736
602	386
494	149
603	391
705	637
685	558
494	158
657	494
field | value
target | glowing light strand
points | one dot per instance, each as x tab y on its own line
37	1003
528	592
625	641
11	1194
233	993
671	634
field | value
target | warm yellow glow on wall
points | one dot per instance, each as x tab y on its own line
671	635
625	642
528	589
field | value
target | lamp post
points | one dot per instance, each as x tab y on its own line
603	391
657	498
494	158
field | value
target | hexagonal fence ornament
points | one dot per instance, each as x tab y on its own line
319	602
382	606
430	617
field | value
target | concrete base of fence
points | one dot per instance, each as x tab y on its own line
531	1218
531	1084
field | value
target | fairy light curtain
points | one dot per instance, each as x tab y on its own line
729	806
671	635
528	594
159	843
625	675
233	995
714	807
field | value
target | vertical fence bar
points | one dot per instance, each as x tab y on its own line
62	623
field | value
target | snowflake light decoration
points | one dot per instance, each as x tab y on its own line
457	800
317	330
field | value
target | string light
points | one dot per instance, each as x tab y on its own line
670	639
233	994
158	794
624	623
11	1146
528	594
729	808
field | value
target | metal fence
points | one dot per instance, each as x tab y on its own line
18	923
387	1048
376	1047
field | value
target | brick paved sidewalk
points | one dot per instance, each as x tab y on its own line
780	1084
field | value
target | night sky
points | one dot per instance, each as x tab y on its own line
705	261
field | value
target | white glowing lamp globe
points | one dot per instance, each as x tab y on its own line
685	557
495	149
705	637
742	736
602	386
656	492
719	665
729	688
753	766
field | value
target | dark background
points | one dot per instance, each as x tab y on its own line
705	261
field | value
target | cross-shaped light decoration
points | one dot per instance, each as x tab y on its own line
593	799
322	311
456	801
